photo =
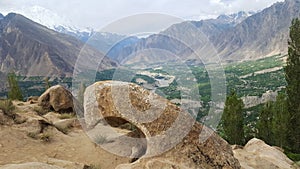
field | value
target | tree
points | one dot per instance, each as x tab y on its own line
292	76
14	92
232	119
280	121
264	124
47	83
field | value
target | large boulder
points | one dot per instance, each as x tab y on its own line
57	98
173	139
258	155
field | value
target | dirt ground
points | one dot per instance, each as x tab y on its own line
17	147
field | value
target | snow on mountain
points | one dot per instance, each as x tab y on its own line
235	18
200	17
49	19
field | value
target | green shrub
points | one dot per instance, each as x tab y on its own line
66	116
46	137
293	156
7	106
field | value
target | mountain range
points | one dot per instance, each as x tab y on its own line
253	36
31	49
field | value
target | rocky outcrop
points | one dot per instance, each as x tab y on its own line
57	98
258	155
52	139
252	101
173	139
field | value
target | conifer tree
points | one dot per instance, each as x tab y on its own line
14	92
280	121
47	83
292	75
265	125
232	119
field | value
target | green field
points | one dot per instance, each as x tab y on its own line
244	77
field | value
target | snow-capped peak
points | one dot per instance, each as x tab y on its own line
235	18
49	18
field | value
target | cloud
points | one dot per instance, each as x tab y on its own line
95	13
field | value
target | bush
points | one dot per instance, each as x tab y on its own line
46	137
66	116
293	156
7	107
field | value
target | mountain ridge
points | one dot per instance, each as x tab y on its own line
262	34
32	49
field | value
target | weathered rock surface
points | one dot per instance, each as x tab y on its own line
173	140
258	155
51	163
57	98
65	164
33	99
27	142
33	165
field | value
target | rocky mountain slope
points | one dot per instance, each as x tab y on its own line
251	37
177	38
33	50
264	33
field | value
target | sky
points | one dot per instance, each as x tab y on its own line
99	13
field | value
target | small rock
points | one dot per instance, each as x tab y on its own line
33	99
